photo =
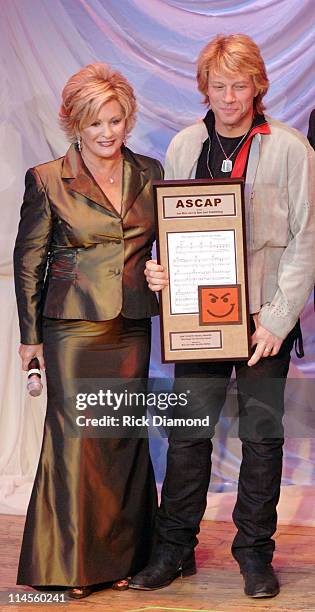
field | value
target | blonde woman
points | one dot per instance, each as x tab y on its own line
88	218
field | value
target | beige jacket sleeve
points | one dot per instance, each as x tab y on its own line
296	271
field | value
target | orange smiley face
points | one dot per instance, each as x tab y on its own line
219	305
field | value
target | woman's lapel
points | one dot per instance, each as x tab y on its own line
79	180
135	178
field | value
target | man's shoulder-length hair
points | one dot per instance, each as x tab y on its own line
231	54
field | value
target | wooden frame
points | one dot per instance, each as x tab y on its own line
201	244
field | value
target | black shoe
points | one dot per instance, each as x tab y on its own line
260	580
167	563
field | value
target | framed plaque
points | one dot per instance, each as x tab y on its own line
201	244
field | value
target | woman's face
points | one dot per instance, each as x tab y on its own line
104	137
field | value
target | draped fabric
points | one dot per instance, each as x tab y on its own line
155	45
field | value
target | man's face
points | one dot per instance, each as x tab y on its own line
231	98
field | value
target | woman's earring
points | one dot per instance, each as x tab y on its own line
79	144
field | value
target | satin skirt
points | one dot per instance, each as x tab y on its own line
91	512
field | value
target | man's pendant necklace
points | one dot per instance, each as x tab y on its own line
208	160
227	164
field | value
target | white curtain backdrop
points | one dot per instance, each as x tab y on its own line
155	44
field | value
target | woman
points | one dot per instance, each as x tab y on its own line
88	219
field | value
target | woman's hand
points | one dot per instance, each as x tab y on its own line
27	352
156	276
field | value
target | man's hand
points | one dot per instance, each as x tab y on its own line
267	345
27	352
156	276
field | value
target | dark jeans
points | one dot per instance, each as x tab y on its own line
261	405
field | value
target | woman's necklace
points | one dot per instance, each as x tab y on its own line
227	164
111	177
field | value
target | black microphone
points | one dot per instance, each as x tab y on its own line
34	383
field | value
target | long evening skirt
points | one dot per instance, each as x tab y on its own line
91	512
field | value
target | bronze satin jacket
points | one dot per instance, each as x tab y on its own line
75	257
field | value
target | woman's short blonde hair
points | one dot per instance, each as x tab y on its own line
230	54
85	93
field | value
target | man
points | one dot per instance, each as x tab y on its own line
235	139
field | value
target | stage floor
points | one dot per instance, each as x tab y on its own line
217	587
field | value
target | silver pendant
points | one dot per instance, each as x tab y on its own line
227	165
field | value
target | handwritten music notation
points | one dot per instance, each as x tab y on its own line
198	258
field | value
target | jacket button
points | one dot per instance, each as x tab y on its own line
117	271
117	241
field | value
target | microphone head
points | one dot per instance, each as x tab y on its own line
34	387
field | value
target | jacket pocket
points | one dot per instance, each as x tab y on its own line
62	264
